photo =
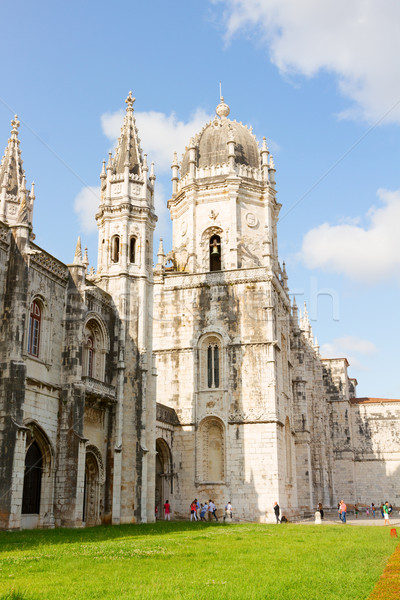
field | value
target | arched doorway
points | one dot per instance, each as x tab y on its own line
32	480
91	493
163	475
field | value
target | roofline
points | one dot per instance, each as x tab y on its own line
373	400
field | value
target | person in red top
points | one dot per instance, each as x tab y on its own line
167	511
343	509
193	509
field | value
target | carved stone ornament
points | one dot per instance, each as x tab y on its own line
251	219
184	227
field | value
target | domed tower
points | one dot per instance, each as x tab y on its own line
222	331
223	206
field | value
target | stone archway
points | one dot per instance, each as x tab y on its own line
163	489
37	491
92	487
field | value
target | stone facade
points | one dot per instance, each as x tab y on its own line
127	386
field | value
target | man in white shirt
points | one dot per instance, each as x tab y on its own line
212	509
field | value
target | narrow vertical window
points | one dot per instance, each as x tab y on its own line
132	250
34	329
209	366
213	366
216	366
90	357
215	253
115	249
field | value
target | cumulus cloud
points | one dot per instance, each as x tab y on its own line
355	349
367	254
85	205
161	135
358	41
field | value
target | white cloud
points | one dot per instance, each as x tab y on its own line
358	41
353	348
369	254
85	205
161	135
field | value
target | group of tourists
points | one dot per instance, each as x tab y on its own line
198	511
385	508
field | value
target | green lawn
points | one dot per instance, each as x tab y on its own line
194	560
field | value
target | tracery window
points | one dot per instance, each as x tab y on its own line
213	365
95	347
90	356
35	318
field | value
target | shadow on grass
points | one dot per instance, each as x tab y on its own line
14	540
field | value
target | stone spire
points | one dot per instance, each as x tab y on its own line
13	192
78	253
128	152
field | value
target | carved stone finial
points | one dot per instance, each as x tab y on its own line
222	109
15	124
129	102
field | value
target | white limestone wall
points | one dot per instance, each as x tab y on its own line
376	436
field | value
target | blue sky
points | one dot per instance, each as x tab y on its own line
319	80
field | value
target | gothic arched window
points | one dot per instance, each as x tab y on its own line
115	249
210	362
35	318
132	250
95	346
213	365
215	253
90	356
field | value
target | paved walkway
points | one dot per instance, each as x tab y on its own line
362	520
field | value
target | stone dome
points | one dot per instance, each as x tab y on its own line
211	143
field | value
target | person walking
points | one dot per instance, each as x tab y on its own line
203	511
373	509
193	509
167	511
321	510
356	511
197	508
343	510
386	513
212	509
276	511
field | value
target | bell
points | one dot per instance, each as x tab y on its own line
215	250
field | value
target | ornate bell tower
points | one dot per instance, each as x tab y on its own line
126	217
126	222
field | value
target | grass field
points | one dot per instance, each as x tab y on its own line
194	560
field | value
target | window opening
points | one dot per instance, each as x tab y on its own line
115	249
215	253
90	356
34	329
132	250
213	366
